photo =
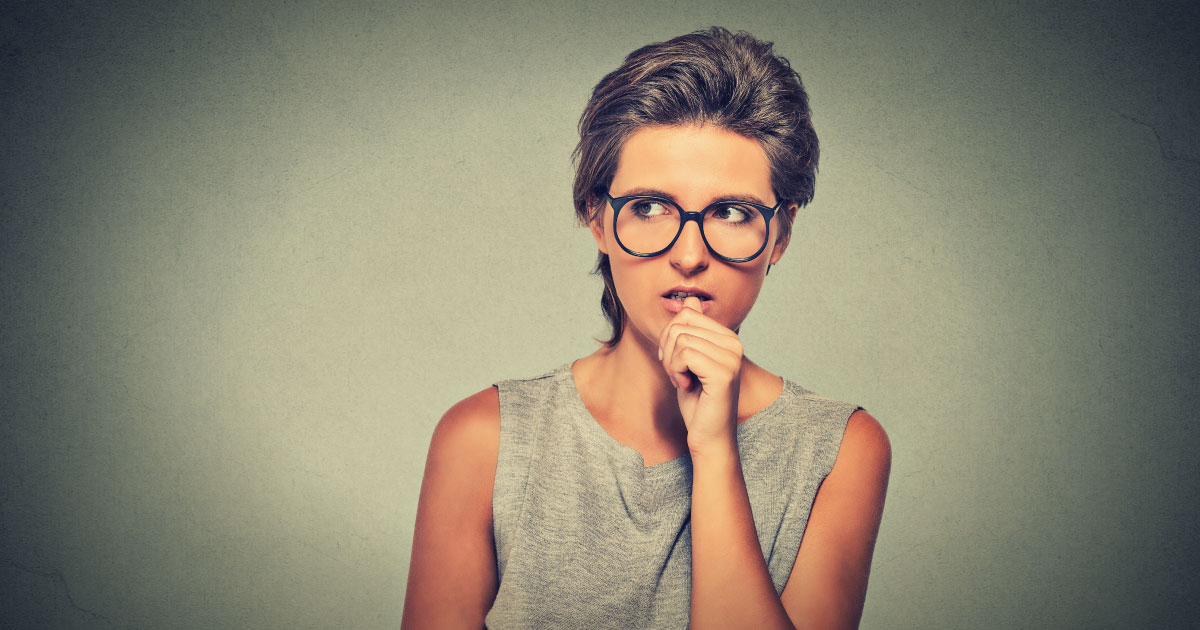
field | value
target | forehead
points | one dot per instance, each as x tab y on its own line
695	164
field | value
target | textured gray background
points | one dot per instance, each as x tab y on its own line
250	254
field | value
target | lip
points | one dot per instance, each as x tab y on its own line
675	306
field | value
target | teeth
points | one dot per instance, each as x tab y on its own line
682	296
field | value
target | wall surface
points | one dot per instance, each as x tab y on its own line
251	252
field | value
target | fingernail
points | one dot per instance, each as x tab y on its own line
660	354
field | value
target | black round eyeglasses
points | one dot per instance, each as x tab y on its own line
648	225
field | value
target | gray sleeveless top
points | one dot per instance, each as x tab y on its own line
588	537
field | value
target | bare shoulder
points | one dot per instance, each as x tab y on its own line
471	427
452	571
461	465
865	446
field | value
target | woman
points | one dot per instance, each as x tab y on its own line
665	479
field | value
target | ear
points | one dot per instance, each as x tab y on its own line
596	225
782	243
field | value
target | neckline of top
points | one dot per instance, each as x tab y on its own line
629	453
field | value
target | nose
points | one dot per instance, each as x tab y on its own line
689	254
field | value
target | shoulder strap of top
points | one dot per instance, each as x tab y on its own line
786	455
525	404
799	422
828	418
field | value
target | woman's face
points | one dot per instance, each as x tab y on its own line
693	166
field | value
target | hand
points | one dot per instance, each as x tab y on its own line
703	359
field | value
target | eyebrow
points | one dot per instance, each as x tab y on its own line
654	192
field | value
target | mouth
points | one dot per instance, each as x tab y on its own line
683	295
673	300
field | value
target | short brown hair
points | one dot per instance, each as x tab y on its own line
710	77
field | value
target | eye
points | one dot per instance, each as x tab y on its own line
734	214
649	208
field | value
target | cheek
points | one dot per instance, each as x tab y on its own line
644	315
625	273
745	295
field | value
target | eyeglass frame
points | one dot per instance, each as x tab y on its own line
616	203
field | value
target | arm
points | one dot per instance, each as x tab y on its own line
452	574
731	586
828	584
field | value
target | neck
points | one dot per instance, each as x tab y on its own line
627	381
626	390
629	387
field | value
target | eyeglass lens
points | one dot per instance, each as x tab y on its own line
733	230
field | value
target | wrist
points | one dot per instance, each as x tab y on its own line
715	449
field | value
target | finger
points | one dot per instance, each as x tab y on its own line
697	317
693	318
721	336
696	358
728	360
688	348
729	342
693	303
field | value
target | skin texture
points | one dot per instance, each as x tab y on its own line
685	385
